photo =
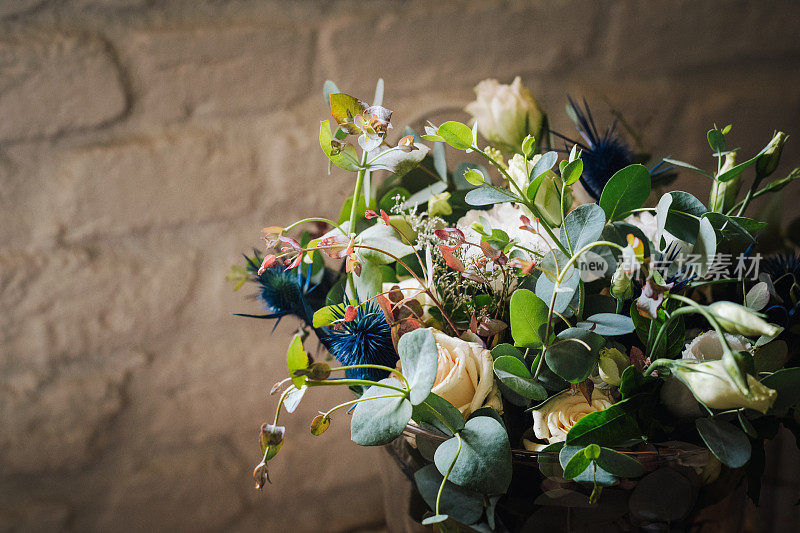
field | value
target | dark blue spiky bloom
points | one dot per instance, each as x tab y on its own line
284	292
665	259
365	340
784	270
780	265
602	154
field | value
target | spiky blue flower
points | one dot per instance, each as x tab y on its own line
602	154
284	292
678	274
365	340
781	265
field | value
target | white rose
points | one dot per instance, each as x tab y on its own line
506	114
465	374
676	396
553	421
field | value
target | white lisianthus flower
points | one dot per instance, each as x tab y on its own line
553	421
465	374
505	216
711	384
676	396
646	221
505	114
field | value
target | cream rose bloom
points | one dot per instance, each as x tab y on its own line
465	374
505	114
553	421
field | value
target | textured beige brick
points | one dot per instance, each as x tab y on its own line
451	45
51	83
219	71
133	184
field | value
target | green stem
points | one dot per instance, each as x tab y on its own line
377	367
530	205
335	382
314	219
354	208
447	474
359	400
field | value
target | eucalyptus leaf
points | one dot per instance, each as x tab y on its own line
565	292
484	463
727	442
609	427
572	171
423	195
419	358
625	191
570	359
345	158
684	218
489	196
528	312
543	164
582	226
608	324
603	478
439	413
515	375
576	465
507	350
619	464
456	134
380	420
662	496
462	504
296	359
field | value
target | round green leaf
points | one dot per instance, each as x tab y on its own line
608	324
528	312
506	349
462	504
572	172
619	464
515	375
473	177
439	413
419	358
543	164
727	442
575	355
603	478
296	359
627	190
488	196
583	225
484	464
609	427
592	451
576	465
381	420
456	134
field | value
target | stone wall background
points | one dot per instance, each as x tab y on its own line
143	145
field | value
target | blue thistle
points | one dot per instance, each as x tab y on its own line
284	292
665	259
784	271
365	340
602	155
781	265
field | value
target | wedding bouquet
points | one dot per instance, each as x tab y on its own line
528	301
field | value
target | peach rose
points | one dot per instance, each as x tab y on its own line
465	374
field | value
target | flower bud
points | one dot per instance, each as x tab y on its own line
711	385
736	318
505	114
768	161
439	204
612	364
723	194
621	284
